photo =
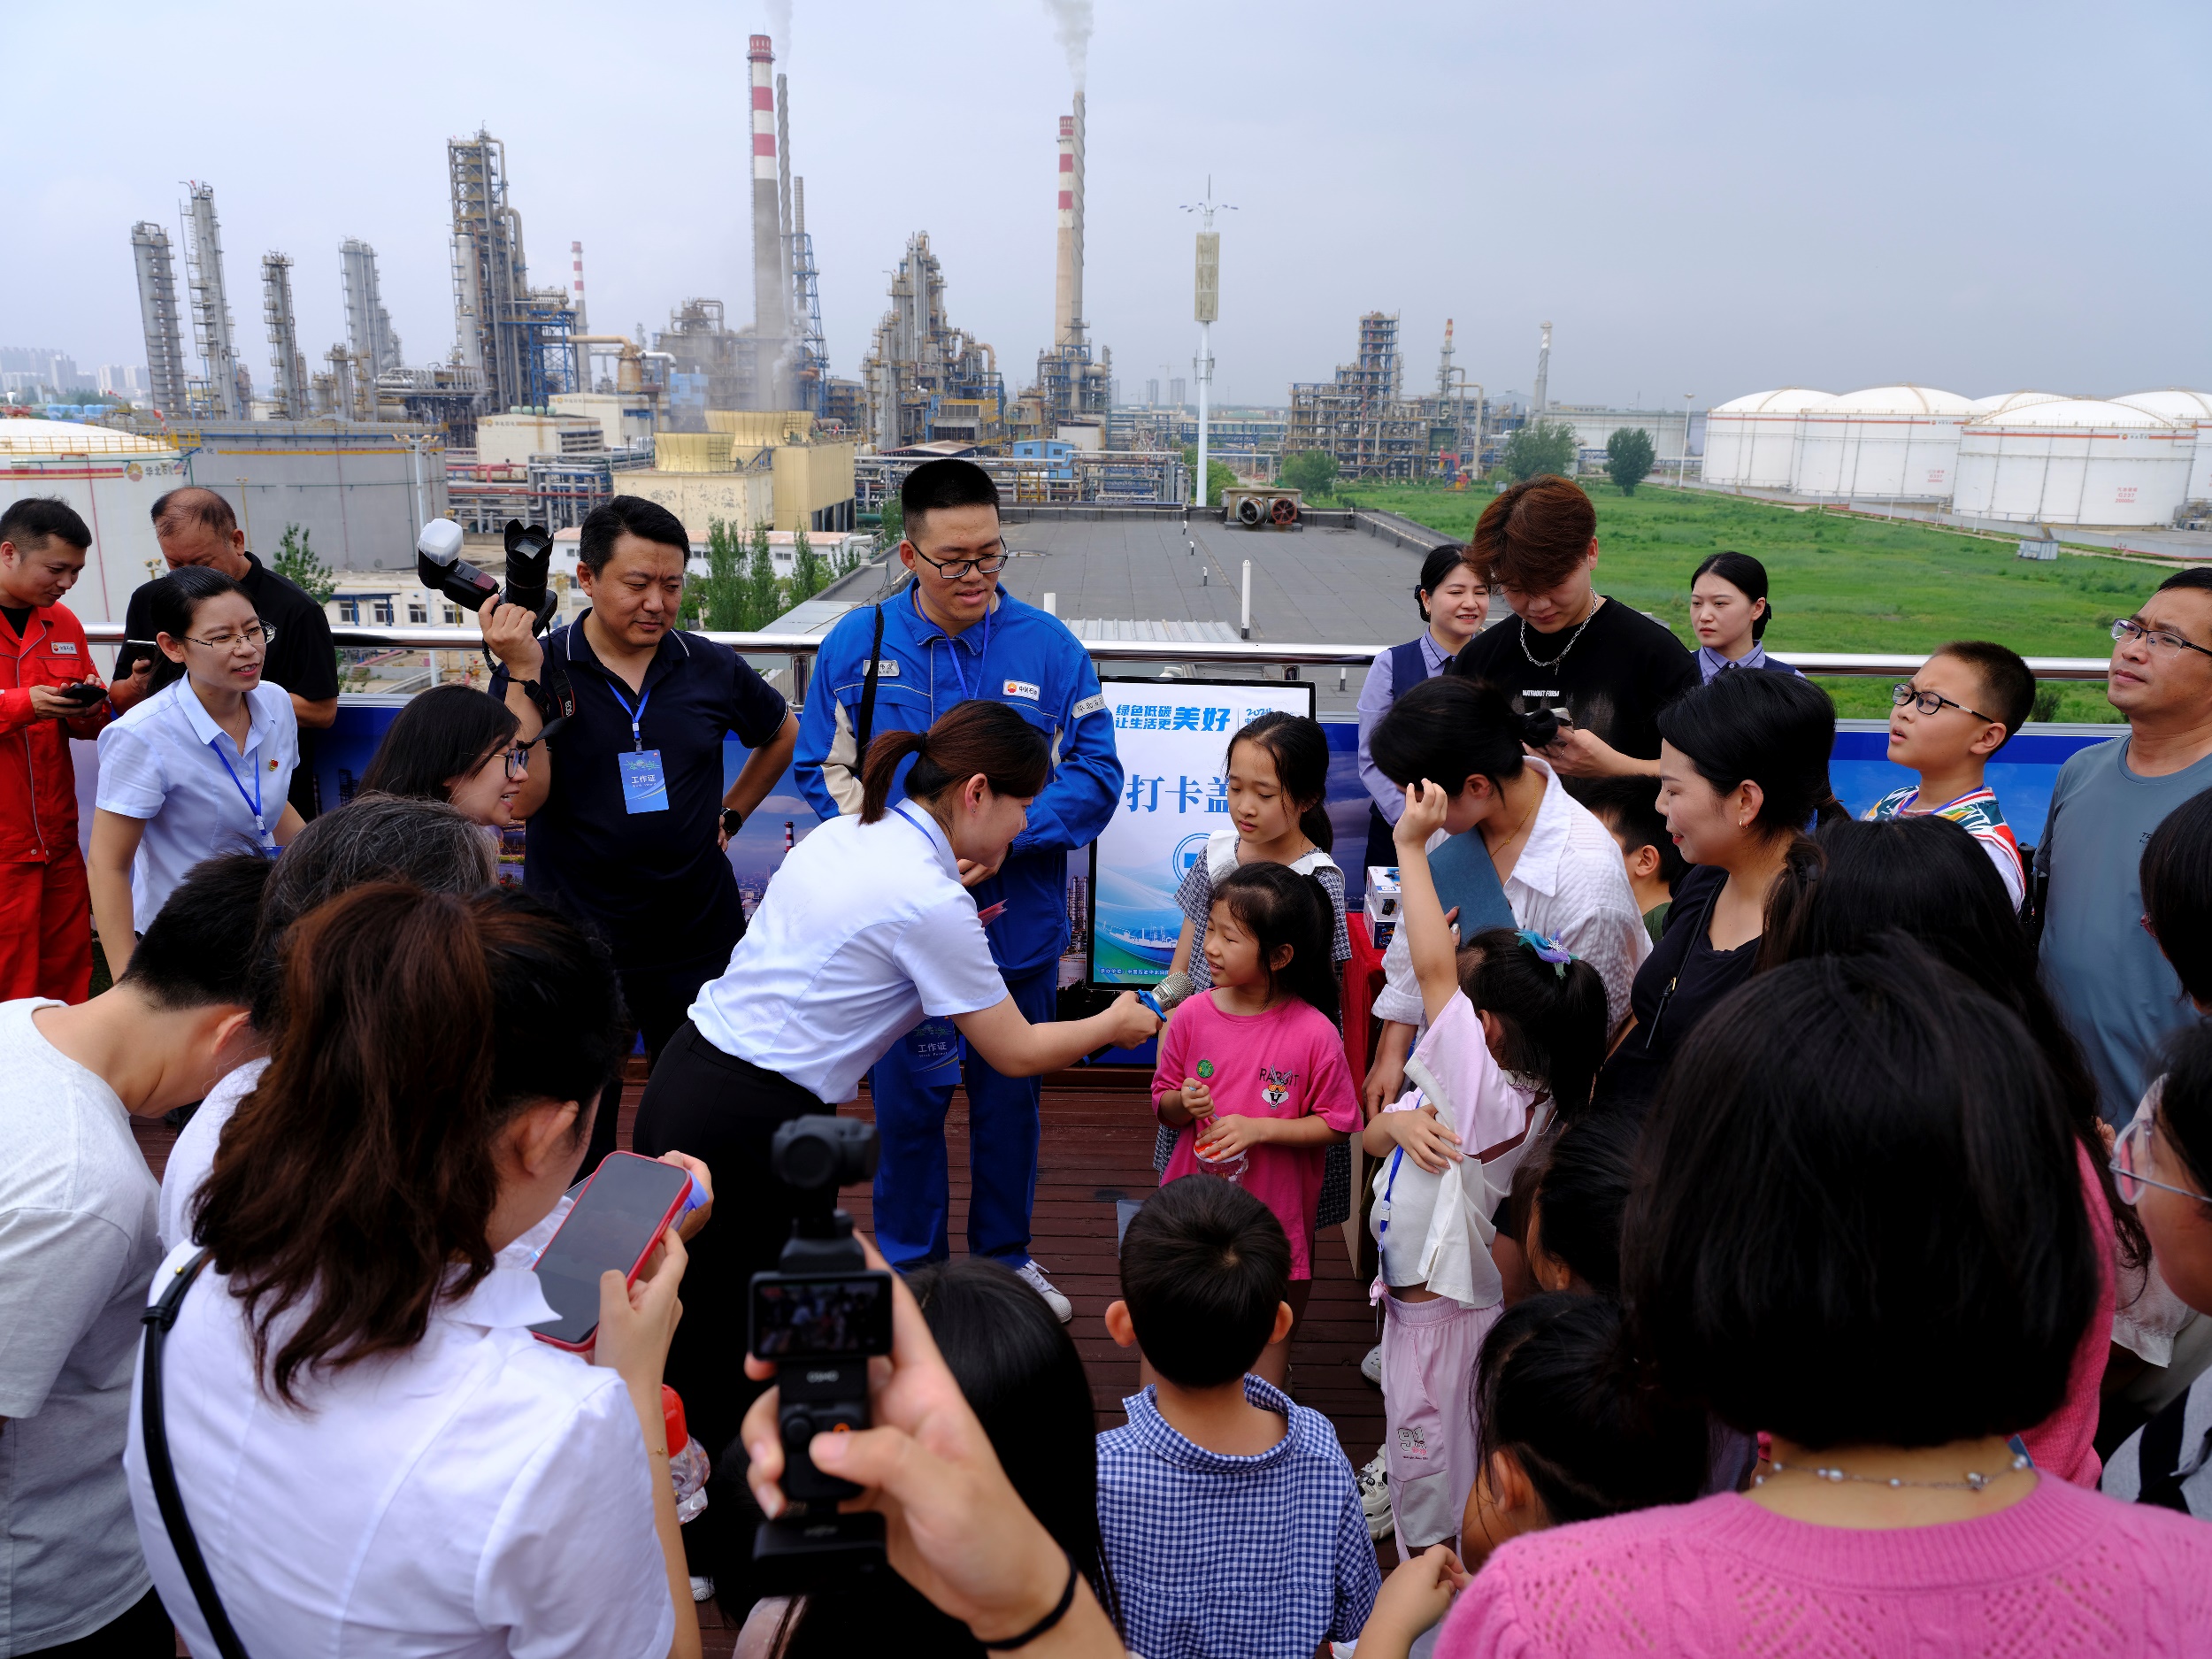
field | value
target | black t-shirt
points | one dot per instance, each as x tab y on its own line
1616	675
654	884
19	619
1700	977
301	657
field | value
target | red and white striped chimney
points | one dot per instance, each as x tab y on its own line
1067	308
576	263
770	295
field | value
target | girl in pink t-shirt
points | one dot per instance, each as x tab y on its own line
1251	1075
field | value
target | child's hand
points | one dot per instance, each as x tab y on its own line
1414	1598
1429	1142
1423	816
1228	1135
1198	1099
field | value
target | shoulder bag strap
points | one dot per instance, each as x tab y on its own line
154	1434
868	697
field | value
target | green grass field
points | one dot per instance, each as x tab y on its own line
1840	583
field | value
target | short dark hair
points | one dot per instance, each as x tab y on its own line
1858	1214
947	483
1630	808
198	949
1534	534
1451	728
1204	1265
35	520
2008	686
606	523
2175	877
1776	730
1557	1387
172	601
2196	576
442	733
1581	1192
195	504
1437	569
2185	1100
1747	576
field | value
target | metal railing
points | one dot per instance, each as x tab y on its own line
803	647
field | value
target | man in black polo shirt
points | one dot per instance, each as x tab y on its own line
196	527
1566	644
627	817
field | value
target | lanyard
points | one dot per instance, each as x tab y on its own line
253	800
637	742
952	648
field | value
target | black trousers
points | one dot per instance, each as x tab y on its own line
724	1111
659	1000
141	1630
1381	849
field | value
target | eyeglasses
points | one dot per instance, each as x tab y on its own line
2131	1154
953	569
2128	629
517	757
1930	701
254	636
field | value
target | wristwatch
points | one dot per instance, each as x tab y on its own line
731	819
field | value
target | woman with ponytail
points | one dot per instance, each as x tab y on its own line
866	928
375	1455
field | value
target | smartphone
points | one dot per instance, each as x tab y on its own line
83	692
621	1210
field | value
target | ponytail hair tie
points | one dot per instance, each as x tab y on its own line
1547	949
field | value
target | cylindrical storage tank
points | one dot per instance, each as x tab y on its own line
2075	461
1751	443
2188	409
1886	443
112	479
2005	403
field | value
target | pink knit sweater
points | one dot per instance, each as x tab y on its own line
2061	1573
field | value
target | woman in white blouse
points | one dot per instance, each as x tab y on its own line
201	766
376	1455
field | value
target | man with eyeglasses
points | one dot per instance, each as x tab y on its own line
953	634
2118	991
196	527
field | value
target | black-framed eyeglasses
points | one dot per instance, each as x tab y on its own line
953	569
518	756
254	636
2157	639
2130	1156
1929	702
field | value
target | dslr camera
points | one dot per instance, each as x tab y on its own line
818	1318
438	562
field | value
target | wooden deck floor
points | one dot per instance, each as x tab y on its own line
1097	1148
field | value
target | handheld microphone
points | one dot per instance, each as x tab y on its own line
1163	998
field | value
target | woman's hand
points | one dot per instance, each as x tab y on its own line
973	874
1580	753
695	1219
636	1321
1414	1597
1131	1021
1227	1136
1426	806
955	1527
1427	1139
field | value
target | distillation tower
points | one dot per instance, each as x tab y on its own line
157	311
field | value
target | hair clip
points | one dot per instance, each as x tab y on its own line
1547	949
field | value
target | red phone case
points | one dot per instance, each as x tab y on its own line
675	1209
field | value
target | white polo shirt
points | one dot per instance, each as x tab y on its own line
480	1494
168	763
864	930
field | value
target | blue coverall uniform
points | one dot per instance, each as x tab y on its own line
1026	658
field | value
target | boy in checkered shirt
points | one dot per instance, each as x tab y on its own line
1230	1518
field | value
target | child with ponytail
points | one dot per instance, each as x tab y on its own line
1252	1084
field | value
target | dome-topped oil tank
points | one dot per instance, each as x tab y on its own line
2192	409
1751	441
2077	460
1886	443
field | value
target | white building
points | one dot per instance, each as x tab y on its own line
1751	443
2075	461
1886	443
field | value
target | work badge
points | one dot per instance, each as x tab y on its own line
932	1053
644	785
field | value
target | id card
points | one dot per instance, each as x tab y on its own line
644	785
932	1053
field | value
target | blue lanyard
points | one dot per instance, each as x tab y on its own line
253	800
952	648
637	742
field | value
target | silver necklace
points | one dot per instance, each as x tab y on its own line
1975	1480
1538	662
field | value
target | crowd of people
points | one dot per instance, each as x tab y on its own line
1782	1223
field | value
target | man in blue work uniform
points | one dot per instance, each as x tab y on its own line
951	635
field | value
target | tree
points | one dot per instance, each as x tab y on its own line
1219	477
296	563
1311	471
893	526
809	573
1542	446
722	593
1628	458
763	594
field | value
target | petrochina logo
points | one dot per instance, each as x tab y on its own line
134	472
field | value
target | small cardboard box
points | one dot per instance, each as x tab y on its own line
1382	892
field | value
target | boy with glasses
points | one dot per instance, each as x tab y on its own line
1963	705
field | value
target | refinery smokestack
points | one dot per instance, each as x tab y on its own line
1067	316
771	283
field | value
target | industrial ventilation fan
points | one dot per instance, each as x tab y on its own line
1263	509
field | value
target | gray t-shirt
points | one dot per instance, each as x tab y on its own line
2105	973
77	1253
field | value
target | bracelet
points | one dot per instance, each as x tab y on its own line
1059	1612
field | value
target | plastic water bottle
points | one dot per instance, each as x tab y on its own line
687	1464
1230	1169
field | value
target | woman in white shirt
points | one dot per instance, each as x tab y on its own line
866	927
1559	865
375	1455
201	766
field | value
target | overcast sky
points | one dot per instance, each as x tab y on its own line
1705	199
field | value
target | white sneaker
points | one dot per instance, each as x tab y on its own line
1370	1366
1374	1499
1063	1309
702	1589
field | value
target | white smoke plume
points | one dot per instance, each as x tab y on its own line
1072	23
780	28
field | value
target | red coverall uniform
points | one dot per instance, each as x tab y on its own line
45	906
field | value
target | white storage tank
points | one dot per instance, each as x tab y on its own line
112	479
2078	460
2189	409
1886	443
1751	443
2004	403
